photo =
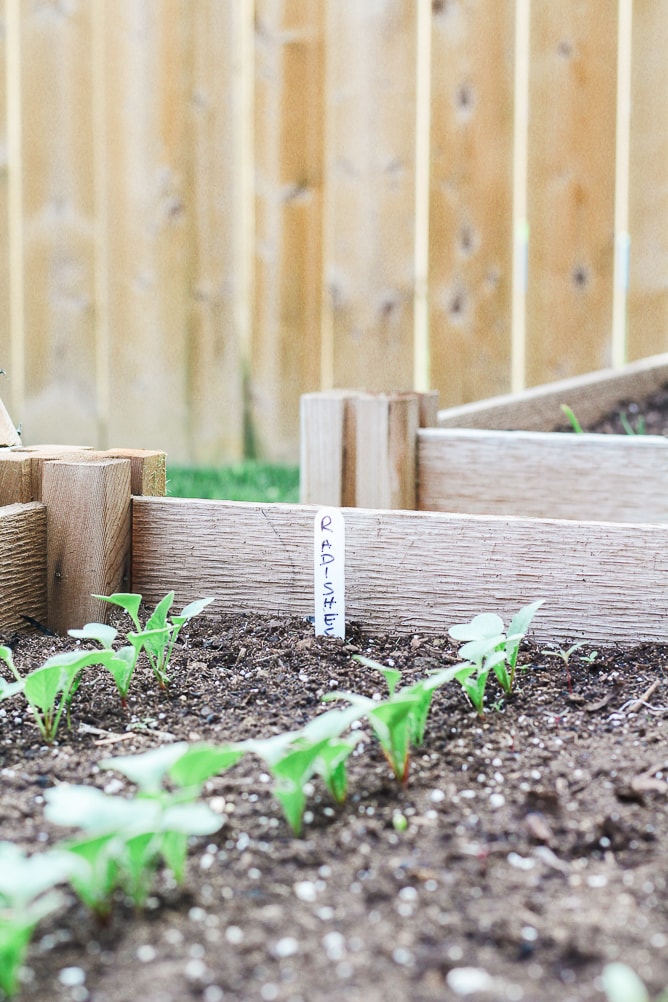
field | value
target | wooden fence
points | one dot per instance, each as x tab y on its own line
210	207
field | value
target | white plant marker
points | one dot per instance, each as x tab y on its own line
329	551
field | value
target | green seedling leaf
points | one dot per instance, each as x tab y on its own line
622	984
191	610
127	601
473	683
330	765
148	769
158	618
572	420
26	895
122	665
332	723
291	773
57	676
155	642
477	650
201	762
96	882
424	691
518	629
482	627
8	658
9	689
24	878
392	724
272	749
101	632
391	675
91	810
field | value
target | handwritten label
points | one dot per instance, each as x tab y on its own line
329	573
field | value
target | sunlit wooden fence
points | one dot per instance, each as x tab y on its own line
209	207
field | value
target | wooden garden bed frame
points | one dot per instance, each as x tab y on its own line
99	524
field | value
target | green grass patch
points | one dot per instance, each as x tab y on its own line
249	480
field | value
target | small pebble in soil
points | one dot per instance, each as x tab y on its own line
469	980
145	953
70	977
285	947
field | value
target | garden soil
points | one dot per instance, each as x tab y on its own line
525	852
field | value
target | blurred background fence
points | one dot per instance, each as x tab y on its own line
209	207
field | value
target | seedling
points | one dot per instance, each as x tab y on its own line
488	648
640	427
159	635
120	663
399	721
565	657
9	689
50	688
572	420
295	756
622	984
27	894
124	839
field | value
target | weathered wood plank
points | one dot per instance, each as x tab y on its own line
410	571
15	477
570	188
327	449
88	552
369	191
22	565
539	409
471	204
288	278
648	182
615	478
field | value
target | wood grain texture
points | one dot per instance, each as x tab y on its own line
539	408
327	449
369	224
570	188
15	478
471	205
412	572
288	281
648	182
385	450
22	565
58	207
88	505
614	478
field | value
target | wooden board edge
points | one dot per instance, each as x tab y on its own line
591	396
22	565
409	572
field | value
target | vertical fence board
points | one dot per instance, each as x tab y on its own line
58	222
370	194
285	345
216	186
6	380
146	43
471	211
648	196
571	176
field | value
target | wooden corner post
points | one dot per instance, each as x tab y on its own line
88	537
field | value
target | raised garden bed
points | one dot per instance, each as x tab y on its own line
496	457
523	854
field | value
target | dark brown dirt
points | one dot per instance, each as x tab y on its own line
534	853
